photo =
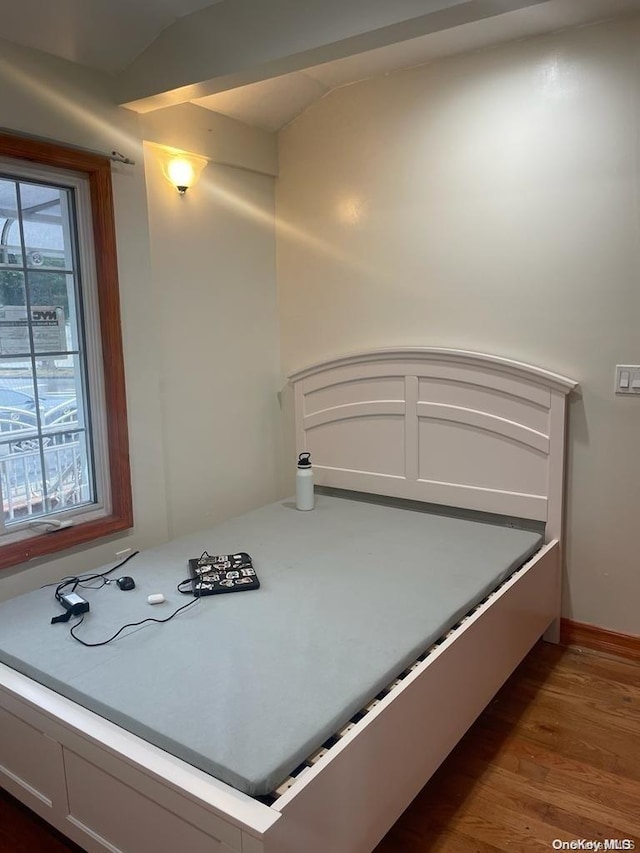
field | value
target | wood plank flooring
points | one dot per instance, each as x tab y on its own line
555	756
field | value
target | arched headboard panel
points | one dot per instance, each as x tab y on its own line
438	425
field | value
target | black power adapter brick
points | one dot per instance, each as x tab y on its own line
74	602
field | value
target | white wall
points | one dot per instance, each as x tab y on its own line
56	99
488	202
199	317
213	259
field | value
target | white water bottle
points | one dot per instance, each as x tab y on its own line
304	482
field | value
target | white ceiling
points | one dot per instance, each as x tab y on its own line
271	104
104	34
112	35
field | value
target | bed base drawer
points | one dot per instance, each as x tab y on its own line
30	765
115	817
108	802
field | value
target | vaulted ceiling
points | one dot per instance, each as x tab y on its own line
264	61
104	34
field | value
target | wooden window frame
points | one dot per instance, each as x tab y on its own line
97	169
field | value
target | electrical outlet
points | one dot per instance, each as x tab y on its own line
627	379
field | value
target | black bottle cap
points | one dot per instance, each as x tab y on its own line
304	460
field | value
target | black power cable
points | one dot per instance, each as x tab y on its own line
74	604
129	625
83	582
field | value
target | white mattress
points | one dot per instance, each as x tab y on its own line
246	686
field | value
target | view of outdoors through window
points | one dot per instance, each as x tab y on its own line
45	453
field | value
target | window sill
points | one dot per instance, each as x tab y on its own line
45	544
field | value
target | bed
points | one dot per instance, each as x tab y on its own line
413	441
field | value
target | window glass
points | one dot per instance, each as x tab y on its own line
64	452
46	460
10	238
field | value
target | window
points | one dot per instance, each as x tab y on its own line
64	466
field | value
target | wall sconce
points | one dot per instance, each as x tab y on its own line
181	174
180	168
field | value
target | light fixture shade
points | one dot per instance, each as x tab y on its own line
181	173
180	168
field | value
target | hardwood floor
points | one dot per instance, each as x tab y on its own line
21	831
555	756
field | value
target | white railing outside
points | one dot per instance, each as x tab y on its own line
23	484
27	489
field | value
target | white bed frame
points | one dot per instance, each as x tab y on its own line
438	425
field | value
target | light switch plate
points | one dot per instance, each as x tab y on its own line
627	379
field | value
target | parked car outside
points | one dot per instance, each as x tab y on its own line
18	411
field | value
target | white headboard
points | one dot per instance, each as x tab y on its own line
444	426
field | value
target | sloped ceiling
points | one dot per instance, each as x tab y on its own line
273	103
104	34
264	61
